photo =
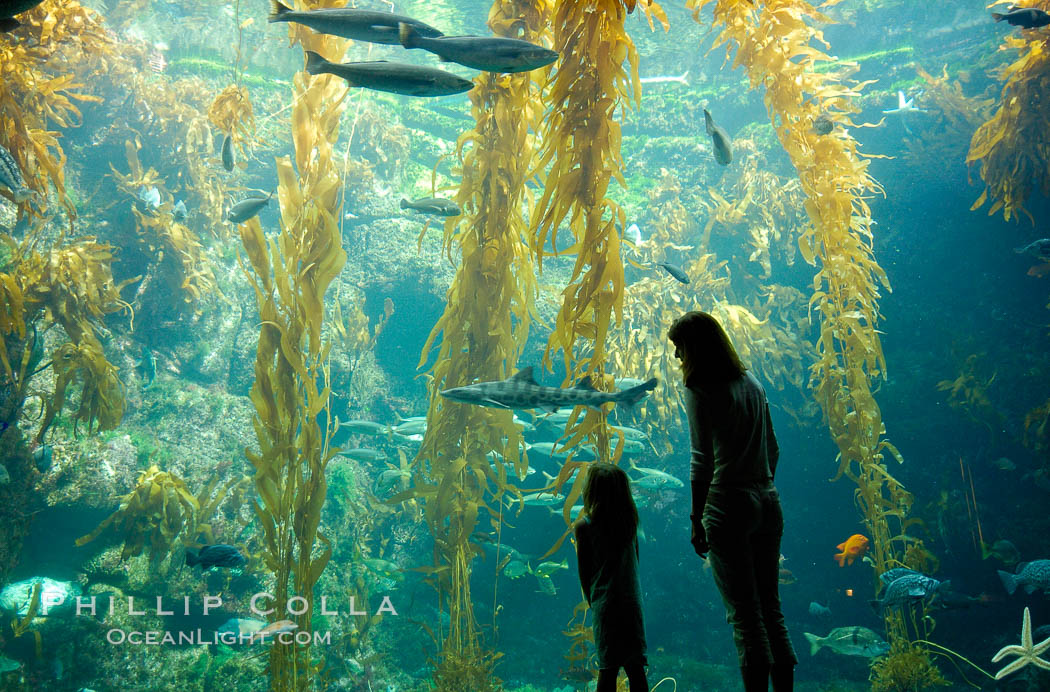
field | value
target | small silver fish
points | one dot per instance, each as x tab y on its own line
1040	249
823	125
433	205
674	271
720	140
227	153
247	208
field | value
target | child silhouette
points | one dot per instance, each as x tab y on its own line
607	555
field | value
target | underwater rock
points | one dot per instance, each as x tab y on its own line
91	474
43	457
57	597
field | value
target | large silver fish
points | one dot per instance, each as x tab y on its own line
851	641
359	25
488	53
720	140
433	205
392	77
521	392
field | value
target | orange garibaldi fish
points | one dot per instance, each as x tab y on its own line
853	548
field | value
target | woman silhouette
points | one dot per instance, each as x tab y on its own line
736	515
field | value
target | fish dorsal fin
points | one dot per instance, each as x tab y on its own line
524	375
585	384
901	102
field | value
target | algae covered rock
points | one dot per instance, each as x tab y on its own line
56	597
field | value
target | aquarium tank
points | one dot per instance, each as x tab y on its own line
318	318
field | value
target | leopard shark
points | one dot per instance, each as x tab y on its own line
522	392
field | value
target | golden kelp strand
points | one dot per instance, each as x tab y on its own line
177	251
73	286
581	155
774	43
482	331
290	275
39	88
1013	146
231	113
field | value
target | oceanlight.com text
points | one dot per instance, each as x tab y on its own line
119	637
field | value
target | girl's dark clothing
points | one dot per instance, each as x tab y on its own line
734	458
609	577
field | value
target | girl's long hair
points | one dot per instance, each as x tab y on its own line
708	356
607	501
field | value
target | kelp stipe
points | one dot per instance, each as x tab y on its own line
483	329
1012	145
291	274
774	43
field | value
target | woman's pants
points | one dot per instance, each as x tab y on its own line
635	678
744	525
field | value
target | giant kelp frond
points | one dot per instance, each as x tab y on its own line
907	667
774	351
482	331
231	113
582	149
101	396
1013	146
291	275
952	117
1037	429
777	44
152	516
969	392
39	85
74	284
180	259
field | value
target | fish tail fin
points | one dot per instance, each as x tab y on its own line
191	558
315	64
815	643
684	79
278	12
1021	250
635	394
404	203
998	17
1009	582
407	35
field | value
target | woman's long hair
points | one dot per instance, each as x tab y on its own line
608	503
708	356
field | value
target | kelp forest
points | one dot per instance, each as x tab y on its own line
245	257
